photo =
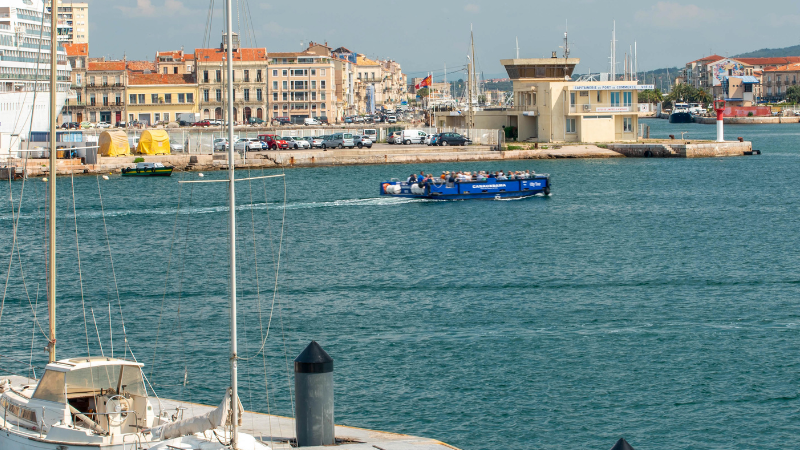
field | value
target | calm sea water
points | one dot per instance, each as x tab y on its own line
652	299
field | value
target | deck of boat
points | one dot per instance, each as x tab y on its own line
278	431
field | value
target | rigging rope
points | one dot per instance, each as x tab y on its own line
113	271
80	273
166	280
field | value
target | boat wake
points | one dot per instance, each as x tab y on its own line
357	202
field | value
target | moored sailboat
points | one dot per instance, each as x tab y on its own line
101	402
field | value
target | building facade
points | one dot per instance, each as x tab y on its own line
175	62
73	22
156	98
776	80
75	107
301	85
105	90
249	82
550	107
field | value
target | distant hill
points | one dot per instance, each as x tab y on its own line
772	52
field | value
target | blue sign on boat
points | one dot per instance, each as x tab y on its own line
488	188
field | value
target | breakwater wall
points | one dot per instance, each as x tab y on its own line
683	149
747	120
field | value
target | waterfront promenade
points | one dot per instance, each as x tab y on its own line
402	154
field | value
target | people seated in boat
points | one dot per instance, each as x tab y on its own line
412	179
501	176
443	176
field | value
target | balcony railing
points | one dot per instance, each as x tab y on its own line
601	108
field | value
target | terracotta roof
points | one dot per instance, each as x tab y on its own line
243	54
141	66
106	65
76	49
785	68
139	79
178	55
364	61
708	58
770	61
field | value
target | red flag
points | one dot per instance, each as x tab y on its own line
425	82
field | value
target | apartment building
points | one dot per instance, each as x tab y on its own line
249	82
777	80
175	62
301	85
73	22
155	98
105	90
395	83
75	107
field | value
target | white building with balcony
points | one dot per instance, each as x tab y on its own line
550	107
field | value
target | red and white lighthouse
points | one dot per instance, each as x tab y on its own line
719	107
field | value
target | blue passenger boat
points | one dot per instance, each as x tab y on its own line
491	188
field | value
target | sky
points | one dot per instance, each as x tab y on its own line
425	35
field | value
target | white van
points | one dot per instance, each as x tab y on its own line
338	140
413	137
310	121
372	134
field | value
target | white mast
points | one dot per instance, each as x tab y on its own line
517	47
635	61
614	52
232	225
51	282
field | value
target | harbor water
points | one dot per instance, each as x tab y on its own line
651	299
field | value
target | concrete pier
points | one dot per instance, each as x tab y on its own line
279	432
401	154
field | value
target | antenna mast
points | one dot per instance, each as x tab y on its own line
517	47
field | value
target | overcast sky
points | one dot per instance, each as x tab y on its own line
424	35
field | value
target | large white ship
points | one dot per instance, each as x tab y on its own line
25	71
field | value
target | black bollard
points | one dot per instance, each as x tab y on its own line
313	386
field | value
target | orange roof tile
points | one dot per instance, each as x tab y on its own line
76	49
785	68
770	61
106	65
243	54
177	55
139	79
142	66
708	58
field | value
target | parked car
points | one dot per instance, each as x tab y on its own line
202	123
348	119
452	139
103	125
86	125
70	126
296	142
395	138
175	147
429	139
371	133
323	120
255	121
273	142
316	142
248	145
338	140
281	120
221	144
310	121
120	124
362	141
391	119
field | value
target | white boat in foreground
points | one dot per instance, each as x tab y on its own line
100	402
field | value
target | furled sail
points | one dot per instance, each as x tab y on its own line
217	418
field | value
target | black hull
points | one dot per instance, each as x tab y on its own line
680	117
